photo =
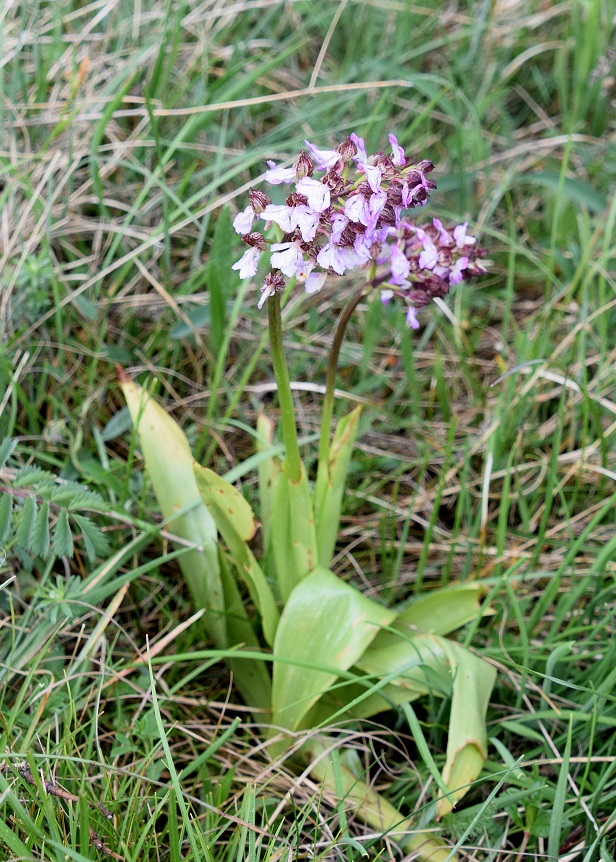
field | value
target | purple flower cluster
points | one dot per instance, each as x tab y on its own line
352	217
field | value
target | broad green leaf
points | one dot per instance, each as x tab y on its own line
348	699
329	488
325	627
194	318
445	610
229	504
118	425
224	508
576	190
293	534
520	729
88	309
414	661
169	463
467	742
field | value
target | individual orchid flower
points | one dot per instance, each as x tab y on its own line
281	215
324	158
248	263
397	155
242	223
317	193
362	155
287	257
461	237
429	254
373	174
400	266
276	175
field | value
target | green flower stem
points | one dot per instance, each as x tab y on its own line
293	462
330	382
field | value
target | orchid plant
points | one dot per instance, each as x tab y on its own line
336	652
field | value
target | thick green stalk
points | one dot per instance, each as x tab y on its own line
293	463
330	382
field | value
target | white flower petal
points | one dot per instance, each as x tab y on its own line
356	209
400	265
362	155
242	223
307	221
324	158
248	263
373	175
397	156
317	193
411	318
281	215
266	291
315	281
460	236
275	175
289	261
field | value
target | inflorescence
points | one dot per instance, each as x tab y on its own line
352	217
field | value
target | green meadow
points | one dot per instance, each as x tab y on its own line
484	459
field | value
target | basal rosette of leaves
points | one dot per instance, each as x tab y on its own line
332	652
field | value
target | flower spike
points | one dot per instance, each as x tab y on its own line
351	216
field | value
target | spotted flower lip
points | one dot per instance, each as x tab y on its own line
346	212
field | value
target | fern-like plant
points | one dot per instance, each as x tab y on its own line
42	516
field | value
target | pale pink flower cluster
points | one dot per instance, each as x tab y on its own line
350	218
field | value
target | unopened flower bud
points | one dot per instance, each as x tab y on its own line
420	196
394	194
334	181
425	166
414	178
255	240
375	250
418	297
274	281
347	150
388	215
385	164
258	200
295	199
304	166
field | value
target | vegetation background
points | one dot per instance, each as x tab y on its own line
130	132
